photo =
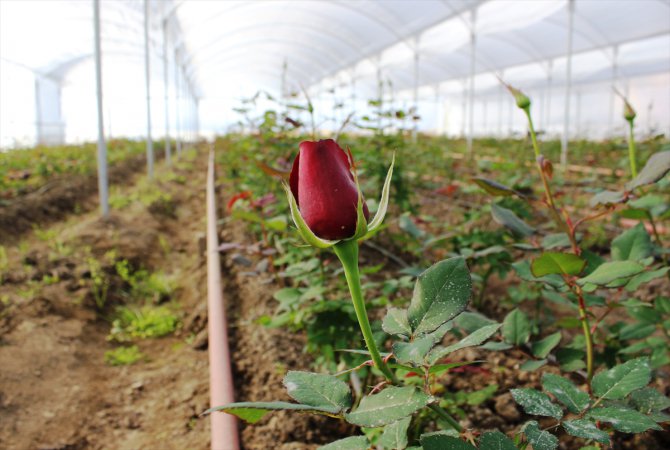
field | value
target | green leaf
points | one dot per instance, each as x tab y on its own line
648	400
440	293
532	365
634	245
471	321
655	169
553	262
607	198
555	240
586	429
508	219
571	359
624	419
611	271
496	346
319	390
636	331
414	352
303	229
522	268
542	347
516	328
494	188
471	340
388	406
395	435
536	403
252	412
645	277
348	443
621	380
566	392
440	368
395	322
539	439
376	222
440	440
495	440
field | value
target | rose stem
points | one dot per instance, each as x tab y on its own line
347	251
631	150
570	231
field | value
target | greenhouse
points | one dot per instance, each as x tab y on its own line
337	224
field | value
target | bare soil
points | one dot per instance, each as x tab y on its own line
59	198
56	392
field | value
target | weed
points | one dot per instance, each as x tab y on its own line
143	322
123	356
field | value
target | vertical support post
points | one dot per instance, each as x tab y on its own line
547	104
510	114
415	129
102	147
578	115
380	95
615	76
196	118
501	93
464	112
167	92
471	99
568	85
283	93
147	76
177	106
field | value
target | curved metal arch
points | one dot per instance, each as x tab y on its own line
262	69
311	28
326	17
263	41
298	73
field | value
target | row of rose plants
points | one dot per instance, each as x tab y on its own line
328	209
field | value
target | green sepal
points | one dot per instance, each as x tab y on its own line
304	231
361	221
376	222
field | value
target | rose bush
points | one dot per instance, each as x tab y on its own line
324	187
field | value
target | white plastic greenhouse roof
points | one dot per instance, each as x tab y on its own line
232	49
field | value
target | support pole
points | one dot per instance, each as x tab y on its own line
380	95
224	426
547	106
415	129
471	99
177	106
615	76
501	93
464	104
147	75
578	115
102	147
568	86
167	92
196	118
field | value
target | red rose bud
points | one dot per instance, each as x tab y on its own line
324	188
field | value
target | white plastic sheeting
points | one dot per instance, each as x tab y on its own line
338	50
